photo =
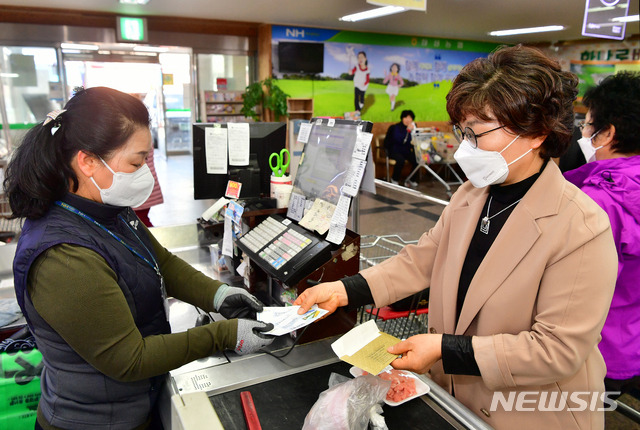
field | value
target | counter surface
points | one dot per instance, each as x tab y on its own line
284	403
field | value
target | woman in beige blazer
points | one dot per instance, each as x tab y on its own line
521	265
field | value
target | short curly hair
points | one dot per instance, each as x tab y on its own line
616	101
522	89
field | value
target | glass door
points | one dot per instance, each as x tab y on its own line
143	80
179	98
30	87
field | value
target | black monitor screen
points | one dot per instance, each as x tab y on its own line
265	138
300	57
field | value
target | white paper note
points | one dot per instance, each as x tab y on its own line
215	142
238	143
337	233
242	269
341	214
354	177
227	237
305	131
361	148
338	227
318	218
296	207
285	319
214	209
355	339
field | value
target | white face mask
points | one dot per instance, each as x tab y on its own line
484	168
127	189
587	148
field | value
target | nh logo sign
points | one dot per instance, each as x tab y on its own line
294	32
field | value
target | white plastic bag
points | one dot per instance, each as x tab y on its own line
347	405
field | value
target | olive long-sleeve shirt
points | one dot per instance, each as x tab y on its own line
76	292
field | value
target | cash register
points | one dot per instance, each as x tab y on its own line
284	249
280	246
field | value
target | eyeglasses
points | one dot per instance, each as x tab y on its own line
460	134
583	124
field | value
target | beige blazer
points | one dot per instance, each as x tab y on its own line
535	306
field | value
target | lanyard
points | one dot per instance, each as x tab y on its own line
153	265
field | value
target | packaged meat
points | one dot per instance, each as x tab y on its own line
405	385
402	386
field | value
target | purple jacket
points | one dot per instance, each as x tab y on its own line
615	185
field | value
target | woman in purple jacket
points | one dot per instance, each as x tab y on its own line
611	146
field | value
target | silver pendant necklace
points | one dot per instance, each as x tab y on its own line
485	222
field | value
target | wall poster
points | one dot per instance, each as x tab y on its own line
376	76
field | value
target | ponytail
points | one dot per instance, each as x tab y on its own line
35	176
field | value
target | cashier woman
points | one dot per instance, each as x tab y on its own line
92	281
521	265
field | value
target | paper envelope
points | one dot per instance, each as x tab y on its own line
365	346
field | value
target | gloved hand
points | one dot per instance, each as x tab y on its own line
250	337
233	302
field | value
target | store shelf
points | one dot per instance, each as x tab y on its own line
222	106
299	108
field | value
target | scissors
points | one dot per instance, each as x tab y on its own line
280	168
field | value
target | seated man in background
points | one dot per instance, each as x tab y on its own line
397	144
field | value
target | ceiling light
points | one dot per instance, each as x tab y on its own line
526	30
142	48
630	18
79	46
373	13
134	1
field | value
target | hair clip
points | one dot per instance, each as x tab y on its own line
54	116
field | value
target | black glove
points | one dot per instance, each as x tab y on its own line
250	338
233	302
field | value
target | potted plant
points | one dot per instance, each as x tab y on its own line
266	94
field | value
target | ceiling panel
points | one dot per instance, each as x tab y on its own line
460	19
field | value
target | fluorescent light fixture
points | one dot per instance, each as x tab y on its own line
9	75
373	13
142	48
134	1
79	46
526	30
630	18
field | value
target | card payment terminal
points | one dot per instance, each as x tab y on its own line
284	250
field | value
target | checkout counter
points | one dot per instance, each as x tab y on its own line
283	389
284	259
